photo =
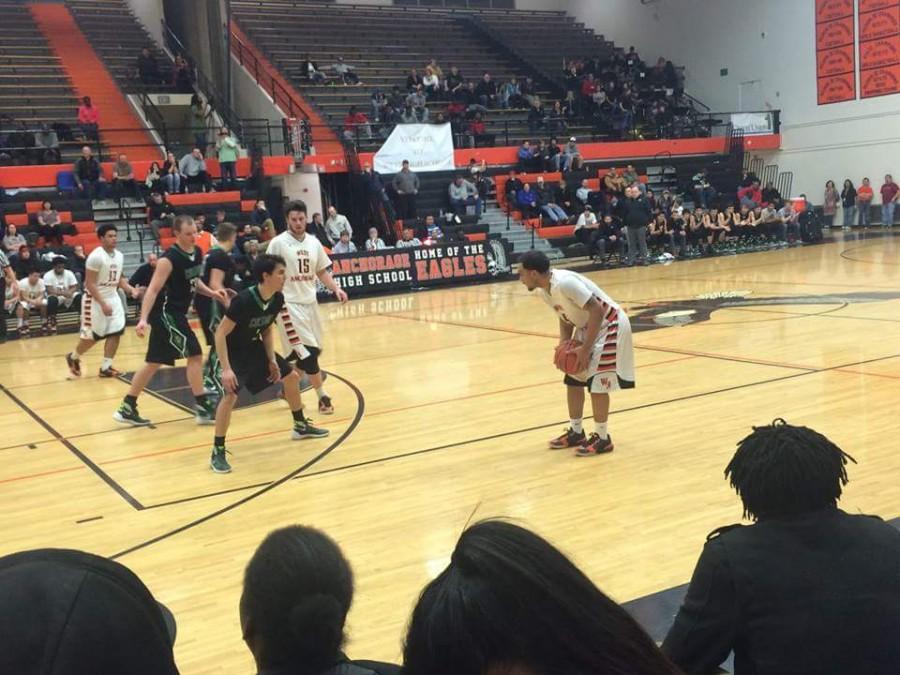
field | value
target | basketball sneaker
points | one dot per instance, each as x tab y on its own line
217	460
108	372
595	446
74	365
569	439
128	414
305	429
325	407
205	413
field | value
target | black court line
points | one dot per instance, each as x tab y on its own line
360	411
88	520
105	477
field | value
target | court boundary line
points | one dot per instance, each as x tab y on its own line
87	461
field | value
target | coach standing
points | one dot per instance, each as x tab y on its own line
635	216
406	184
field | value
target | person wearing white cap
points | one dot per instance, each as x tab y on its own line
570	155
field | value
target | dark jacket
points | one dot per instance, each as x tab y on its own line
343	666
87	169
635	212
816	593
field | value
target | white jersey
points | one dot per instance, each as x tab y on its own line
304	260
570	292
32	293
60	284
109	270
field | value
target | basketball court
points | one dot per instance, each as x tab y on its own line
445	401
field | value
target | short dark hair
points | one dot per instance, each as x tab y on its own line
781	469
226	231
266	264
536	261
298	588
508	597
295	205
180	222
104	228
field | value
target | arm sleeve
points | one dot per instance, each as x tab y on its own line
235	309
93	262
706	625
576	291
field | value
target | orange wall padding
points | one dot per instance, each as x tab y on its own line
89	77
323	137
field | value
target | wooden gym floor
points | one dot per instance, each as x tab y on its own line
445	401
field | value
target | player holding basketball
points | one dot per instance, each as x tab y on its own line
102	311
164	311
245	343
604	361
299	322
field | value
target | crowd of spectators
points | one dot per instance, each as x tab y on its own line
805	587
855	203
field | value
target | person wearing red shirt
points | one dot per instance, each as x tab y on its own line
890	195
863	201
89	119
356	121
750	196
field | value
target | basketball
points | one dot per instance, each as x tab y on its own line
565	356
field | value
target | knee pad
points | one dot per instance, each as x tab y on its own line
309	365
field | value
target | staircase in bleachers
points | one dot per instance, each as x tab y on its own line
34	89
118	37
383	44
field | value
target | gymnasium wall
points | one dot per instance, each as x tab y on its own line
770	47
150	13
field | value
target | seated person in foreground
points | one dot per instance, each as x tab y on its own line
807	588
298	588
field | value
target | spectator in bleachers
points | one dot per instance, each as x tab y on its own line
407	239
23	262
609	238
406	185
750	196
66	612
528	202
551	210
203	226
704	192
141	277
433	231
463	194
182	75
171	176
345	72
413	80
193	167
771	195
356	124
153	181
864	196
201	118
478	130
510	94
583	194
33	298
525	157
636	217
316	227
343	244
512	187
431	83
262	219
63	285
227	149
408	115
377	103
630	176
807	588
419	103
537	117
49	224
455	81
78	262
88	175
571	157
830	203
587	229
159	214
89	120
772	223
556	118
791	219
309	69
552	156
890	195
564	195
848	204
436	69
148	68
335	224
510	603
374	242
486	91
46	145
12	240
297	591
123	181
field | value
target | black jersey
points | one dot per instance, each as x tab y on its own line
252	316
216	259
176	295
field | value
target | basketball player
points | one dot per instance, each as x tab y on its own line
299	322
245	342
102	311
605	359
164	310
218	274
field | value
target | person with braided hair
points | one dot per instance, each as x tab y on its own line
298	588
807	588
